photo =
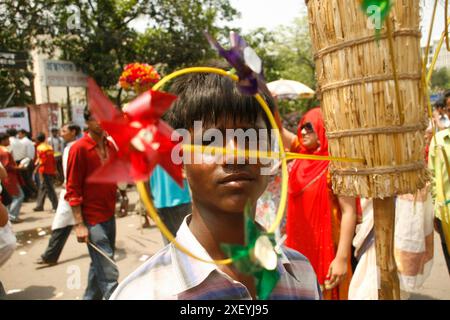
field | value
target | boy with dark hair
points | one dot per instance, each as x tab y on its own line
220	192
47	169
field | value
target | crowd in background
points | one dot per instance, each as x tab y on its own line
336	234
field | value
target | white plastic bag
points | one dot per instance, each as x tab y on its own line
7	243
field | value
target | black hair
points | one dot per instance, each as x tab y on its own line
73	127
11	132
447	94
3	136
55	130
25	132
86	114
439	104
208	97
40	137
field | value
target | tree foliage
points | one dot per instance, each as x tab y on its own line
21	23
440	79
287	54
107	40
100	37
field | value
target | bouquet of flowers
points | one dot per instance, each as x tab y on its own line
139	77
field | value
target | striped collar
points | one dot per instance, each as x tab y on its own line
191	272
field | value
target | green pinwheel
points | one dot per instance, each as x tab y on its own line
378	10
258	257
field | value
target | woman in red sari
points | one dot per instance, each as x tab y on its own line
319	224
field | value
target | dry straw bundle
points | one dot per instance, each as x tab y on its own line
356	81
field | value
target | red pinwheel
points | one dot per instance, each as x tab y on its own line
142	138
245	61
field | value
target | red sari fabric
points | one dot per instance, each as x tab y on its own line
309	220
11	183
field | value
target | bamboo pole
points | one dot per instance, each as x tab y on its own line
366	83
384	220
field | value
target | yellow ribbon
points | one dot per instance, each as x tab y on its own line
263	154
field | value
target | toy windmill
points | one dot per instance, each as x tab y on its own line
368	65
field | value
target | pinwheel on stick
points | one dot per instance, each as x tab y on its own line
142	138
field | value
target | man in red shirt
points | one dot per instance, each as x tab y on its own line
46	166
11	182
93	207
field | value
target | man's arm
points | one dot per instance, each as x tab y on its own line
3	215
290	139
338	267
81	230
3	173
74	191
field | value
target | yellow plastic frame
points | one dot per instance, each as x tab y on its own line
282	155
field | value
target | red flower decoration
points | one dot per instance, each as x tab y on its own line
142	138
138	77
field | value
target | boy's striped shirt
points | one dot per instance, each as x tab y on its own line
171	274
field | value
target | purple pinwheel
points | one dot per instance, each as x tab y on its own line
245	61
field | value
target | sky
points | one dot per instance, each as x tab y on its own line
265	13
270	14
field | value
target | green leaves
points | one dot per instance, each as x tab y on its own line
440	79
102	36
256	256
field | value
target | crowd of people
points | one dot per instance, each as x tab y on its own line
329	249
32	170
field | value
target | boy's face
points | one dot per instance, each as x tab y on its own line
227	186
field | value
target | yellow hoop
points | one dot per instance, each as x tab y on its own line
284	184
282	155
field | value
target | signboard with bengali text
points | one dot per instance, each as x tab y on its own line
58	73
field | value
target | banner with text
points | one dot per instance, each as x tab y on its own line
17	118
63	74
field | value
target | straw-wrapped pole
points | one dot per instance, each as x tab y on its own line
370	87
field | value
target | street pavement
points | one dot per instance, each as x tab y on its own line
23	279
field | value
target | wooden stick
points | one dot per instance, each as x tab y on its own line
384	220
102	253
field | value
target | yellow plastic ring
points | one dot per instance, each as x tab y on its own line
284	173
